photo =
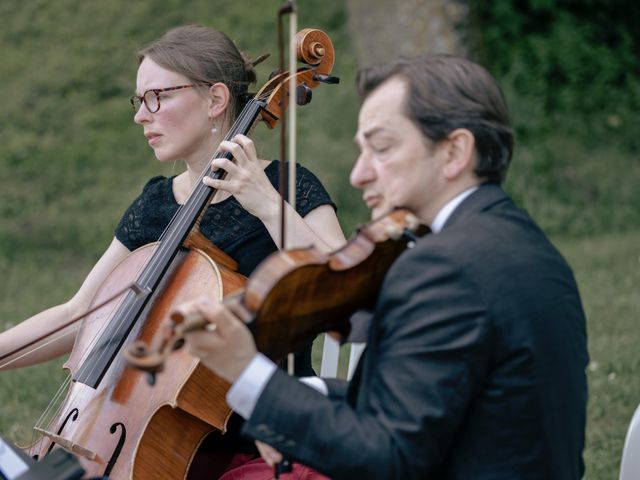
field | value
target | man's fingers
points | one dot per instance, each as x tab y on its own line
217	314
269	454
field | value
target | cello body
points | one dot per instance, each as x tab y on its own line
127	428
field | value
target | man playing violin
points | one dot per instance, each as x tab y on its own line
476	352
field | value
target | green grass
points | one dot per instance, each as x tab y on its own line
607	268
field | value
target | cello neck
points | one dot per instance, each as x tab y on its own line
189	214
127	314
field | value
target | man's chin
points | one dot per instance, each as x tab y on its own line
378	212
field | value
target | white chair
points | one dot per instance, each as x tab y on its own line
331	357
630	463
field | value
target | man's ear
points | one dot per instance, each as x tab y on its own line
218	100
461	149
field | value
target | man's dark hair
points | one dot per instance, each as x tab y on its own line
447	92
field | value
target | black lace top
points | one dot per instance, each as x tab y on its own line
235	231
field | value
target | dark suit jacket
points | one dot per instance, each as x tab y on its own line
474	368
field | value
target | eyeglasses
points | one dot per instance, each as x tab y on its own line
151	98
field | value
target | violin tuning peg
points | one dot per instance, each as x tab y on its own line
303	95
412	222
394	232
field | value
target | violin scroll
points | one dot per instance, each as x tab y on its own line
150	358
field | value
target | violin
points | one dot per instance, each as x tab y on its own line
294	295
116	424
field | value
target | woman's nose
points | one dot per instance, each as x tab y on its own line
142	114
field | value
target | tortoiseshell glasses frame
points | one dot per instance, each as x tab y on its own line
151	98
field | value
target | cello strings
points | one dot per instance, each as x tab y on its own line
172	232
55	402
125	295
242	118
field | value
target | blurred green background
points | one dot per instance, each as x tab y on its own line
71	158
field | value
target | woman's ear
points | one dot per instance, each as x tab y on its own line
218	100
461	149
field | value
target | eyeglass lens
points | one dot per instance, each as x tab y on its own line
150	99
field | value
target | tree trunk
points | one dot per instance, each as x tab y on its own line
383	30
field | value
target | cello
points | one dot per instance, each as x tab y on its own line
116	424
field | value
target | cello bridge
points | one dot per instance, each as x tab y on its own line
67	444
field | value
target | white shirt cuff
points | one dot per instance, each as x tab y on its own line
317	384
245	391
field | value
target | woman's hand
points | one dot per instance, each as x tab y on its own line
245	178
247	181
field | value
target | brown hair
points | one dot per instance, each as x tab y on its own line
205	56
447	92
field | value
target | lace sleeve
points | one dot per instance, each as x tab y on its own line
310	193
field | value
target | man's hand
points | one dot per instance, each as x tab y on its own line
226	346
269	454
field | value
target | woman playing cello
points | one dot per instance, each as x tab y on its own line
191	84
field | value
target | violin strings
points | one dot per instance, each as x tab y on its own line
55	403
121	298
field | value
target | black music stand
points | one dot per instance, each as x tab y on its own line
57	465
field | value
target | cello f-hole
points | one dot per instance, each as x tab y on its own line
116	452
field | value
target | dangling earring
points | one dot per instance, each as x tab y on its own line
214	130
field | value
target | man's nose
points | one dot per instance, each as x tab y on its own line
361	173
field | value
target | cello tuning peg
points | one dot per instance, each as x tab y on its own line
274	73
318	77
303	95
